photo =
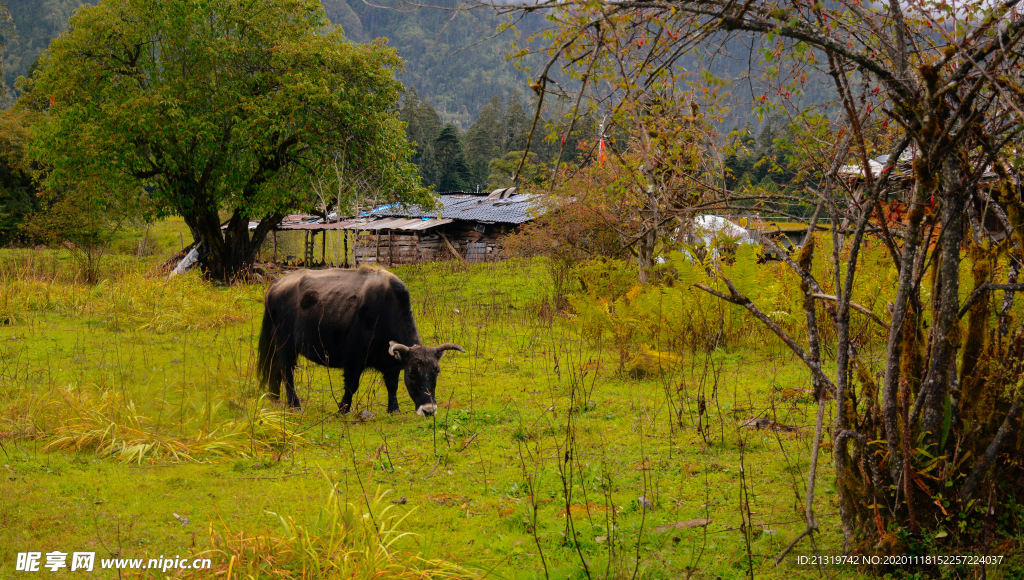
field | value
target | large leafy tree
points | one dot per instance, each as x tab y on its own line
17	195
218	106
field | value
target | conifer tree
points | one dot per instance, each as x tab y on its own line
453	172
483	141
515	125
422	126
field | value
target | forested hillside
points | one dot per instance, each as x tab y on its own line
466	109
36	22
456	64
451	62
458	84
489	152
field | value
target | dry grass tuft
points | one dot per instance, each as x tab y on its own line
110	426
343	542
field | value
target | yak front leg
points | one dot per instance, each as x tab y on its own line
351	386
391	382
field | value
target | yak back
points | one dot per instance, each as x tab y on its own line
344	318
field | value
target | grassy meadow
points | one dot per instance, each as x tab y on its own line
603	441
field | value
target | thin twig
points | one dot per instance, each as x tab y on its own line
432	469
812	521
980	290
855	306
990	453
742	300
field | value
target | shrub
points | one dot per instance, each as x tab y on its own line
569	233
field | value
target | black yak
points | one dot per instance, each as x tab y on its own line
347	319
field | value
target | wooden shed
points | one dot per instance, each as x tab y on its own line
467	227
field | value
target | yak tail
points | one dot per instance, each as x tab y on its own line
266	360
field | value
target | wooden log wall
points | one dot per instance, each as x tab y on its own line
387	248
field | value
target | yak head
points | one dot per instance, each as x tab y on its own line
421	369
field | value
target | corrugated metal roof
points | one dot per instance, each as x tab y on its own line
516	209
402	224
304	222
519	208
311	226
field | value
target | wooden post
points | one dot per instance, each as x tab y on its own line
376	249
307	258
274	233
344	243
451	247
391	248
355	245
323	249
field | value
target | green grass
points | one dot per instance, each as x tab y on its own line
126	403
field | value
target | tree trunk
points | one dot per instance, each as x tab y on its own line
226	253
645	255
945	335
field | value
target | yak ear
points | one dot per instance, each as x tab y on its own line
397	350
448	346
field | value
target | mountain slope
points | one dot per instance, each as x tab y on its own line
451	61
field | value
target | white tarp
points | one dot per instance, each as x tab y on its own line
187	262
709	227
711	231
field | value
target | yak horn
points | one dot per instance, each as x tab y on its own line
449	346
397	350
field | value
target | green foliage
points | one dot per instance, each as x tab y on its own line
514	127
482	141
532	177
453	59
488	153
427	40
422	127
751	159
83	221
223	105
17	192
453	173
